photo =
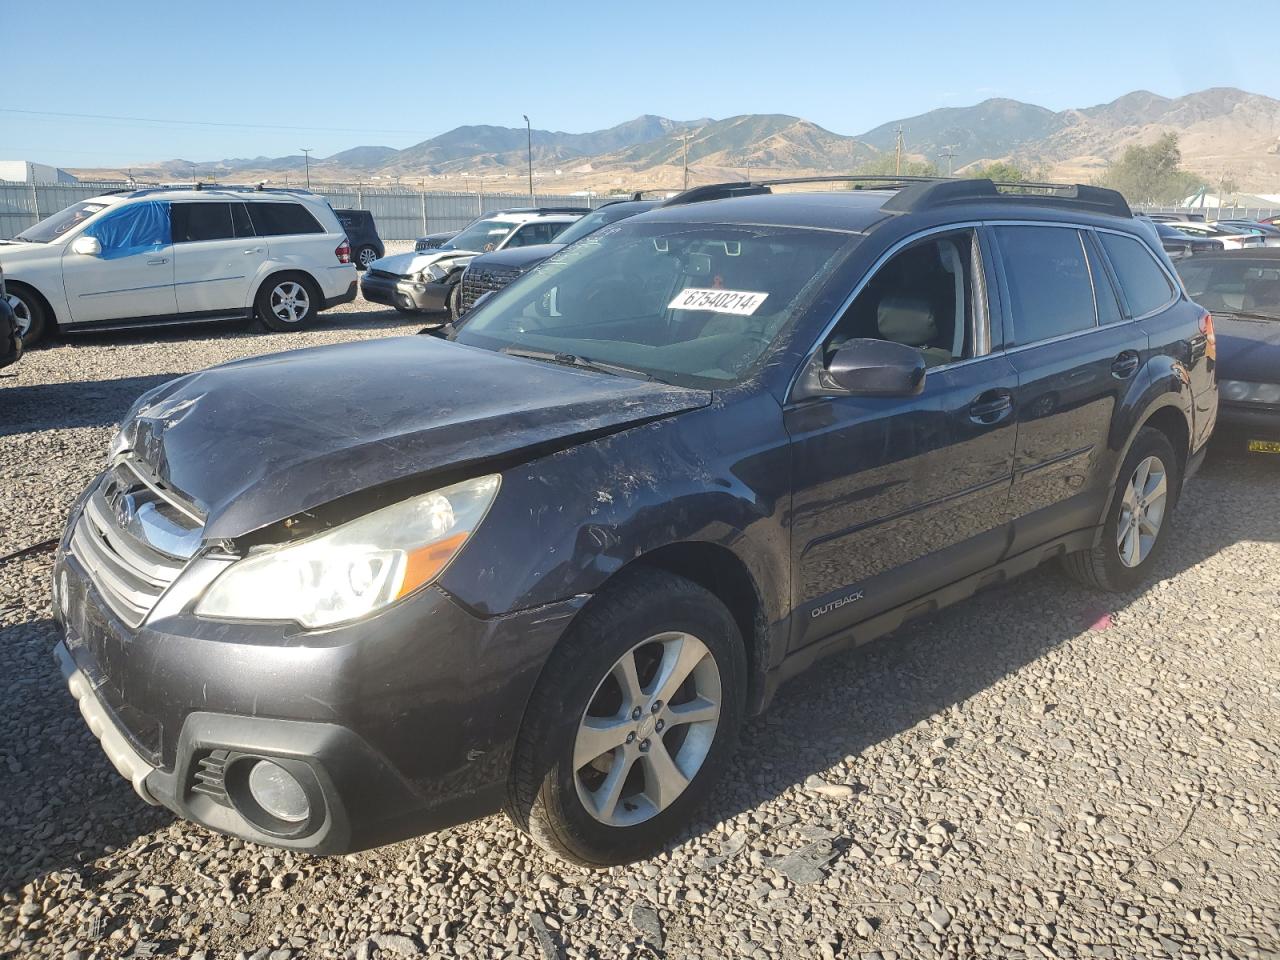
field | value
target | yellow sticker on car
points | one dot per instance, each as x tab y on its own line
1264	446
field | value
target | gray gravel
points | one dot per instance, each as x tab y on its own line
1040	772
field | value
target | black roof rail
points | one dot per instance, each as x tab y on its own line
748	188
922	196
715	191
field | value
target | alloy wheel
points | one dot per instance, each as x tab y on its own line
290	301
367	256
1142	510
647	729
21	313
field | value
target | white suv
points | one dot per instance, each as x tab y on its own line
179	255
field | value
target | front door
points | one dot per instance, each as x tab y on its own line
132	278
216	256
895	497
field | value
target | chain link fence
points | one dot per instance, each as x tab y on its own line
400	214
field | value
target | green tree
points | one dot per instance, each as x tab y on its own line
999	170
1152	173
885	166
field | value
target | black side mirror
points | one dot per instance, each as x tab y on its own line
868	368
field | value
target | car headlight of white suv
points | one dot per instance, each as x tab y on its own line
354	569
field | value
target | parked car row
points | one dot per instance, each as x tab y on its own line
551	562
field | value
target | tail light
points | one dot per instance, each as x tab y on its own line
1210	338
343	252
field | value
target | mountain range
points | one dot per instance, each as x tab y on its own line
1223	131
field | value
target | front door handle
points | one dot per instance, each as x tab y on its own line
991	407
156	262
1125	365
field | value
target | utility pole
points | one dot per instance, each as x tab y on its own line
897	159
528	129
306	155
950	153
684	140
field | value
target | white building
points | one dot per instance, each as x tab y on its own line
24	171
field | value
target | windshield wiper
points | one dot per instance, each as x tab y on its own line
573	360
20	238
1246	315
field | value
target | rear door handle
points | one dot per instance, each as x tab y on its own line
1125	365
991	406
157	262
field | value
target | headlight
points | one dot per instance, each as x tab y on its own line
352	570
435	272
119	444
1249	392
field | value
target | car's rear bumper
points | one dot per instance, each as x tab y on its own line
403	293
346	297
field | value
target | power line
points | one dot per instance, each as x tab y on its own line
201	123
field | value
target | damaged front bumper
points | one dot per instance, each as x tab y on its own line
425	296
393	727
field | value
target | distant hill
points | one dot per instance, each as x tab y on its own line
1223	132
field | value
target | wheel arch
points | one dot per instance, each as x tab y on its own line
276	272
51	315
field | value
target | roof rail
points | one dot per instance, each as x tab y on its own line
747	188
922	196
200	187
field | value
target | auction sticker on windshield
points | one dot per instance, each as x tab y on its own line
741	302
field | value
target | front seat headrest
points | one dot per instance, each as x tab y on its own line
906	320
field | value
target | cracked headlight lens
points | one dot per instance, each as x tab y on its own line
357	568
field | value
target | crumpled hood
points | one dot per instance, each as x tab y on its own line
1248	349
406	264
256	441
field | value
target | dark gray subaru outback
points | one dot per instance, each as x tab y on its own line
336	597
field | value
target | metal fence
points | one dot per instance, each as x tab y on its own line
1216	213
400	214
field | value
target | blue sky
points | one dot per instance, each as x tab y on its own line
272	77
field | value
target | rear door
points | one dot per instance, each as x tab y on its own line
292	234
216	256
132	278
895	497
1075	355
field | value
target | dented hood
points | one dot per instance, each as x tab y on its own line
256	441
407	264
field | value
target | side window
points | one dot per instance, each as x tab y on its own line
240	221
535	233
1050	293
1144	284
1104	292
282	219
922	297
135	228
194	222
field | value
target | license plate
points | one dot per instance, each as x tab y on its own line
1264	446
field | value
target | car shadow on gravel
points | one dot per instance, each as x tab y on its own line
62	804
79	403
858	699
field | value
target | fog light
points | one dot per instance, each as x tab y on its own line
278	792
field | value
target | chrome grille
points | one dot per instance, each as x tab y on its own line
478	281
130	571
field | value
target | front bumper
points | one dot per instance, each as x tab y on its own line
399	725
1238	423
406	294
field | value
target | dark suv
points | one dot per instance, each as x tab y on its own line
362	235
552	565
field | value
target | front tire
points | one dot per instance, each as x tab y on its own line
453	303
634	718
30	312
1137	522
287	302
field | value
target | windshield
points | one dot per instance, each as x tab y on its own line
690	304
482	236
1234	286
602	217
50	228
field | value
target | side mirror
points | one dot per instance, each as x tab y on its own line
86	246
867	368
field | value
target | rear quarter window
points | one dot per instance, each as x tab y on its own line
1145	285
273	219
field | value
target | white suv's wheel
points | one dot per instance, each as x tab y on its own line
287	303
29	312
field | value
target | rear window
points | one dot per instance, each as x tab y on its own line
1050	290
279	219
1144	284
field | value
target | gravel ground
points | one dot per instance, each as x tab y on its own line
1039	772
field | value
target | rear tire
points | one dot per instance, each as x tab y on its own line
612	761
364	256
1137	522
287	301
30	312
